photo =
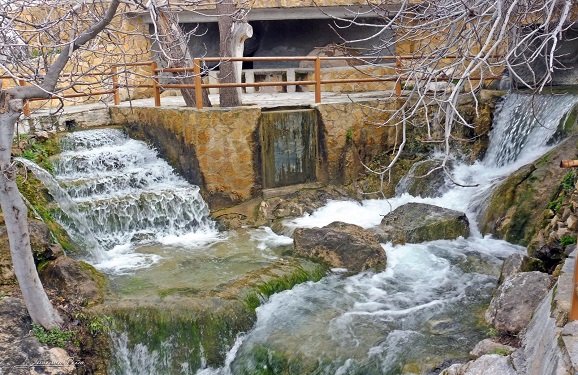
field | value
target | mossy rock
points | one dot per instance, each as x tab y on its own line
419	222
516	207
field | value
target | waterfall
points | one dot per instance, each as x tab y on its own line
421	311
525	126
116	193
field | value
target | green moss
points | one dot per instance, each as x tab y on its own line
567	240
186	291
279	284
37	196
95	275
502	351
53	337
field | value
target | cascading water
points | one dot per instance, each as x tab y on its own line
422	310
426	307
126	196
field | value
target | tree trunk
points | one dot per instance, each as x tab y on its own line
232	35
174	50
16	220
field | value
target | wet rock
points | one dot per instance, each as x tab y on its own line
488	346
490	364
21	352
424	180
341	245
419	222
512	307
517	263
521	201
40	242
79	281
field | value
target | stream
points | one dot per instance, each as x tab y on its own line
149	230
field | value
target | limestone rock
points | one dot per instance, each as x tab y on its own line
40	242
19	348
521	200
517	263
419	222
487	346
512	307
490	364
77	280
423	180
341	245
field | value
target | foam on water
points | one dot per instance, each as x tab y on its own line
128	196
423	306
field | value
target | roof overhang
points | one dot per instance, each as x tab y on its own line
267	14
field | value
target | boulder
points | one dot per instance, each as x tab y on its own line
19	348
424	180
490	364
487	346
419	222
79	281
341	245
40	242
517	263
516	207
512	307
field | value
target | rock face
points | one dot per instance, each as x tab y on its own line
19	348
490	364
521	200
423	180
517	263
40	242
419	222
512	307
341	245
488	346
79	281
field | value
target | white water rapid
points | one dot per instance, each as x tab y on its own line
127	196
425	308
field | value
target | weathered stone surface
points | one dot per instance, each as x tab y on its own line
512	307
341	245
487	346
40	242
79	281
490	364
419	222
424	180
520	202
19	348
517	263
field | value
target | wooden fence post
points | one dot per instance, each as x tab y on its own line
156	88
26	103
198	83
318	80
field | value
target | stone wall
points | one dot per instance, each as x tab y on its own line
220	151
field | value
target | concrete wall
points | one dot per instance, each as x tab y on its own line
220	149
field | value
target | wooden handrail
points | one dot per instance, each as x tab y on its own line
197	69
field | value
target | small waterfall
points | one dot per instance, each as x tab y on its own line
68	215
421	311
525	125
121	194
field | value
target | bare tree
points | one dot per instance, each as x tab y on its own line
233	31
37	44
456	47
173	49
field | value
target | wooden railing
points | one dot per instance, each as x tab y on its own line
197	73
